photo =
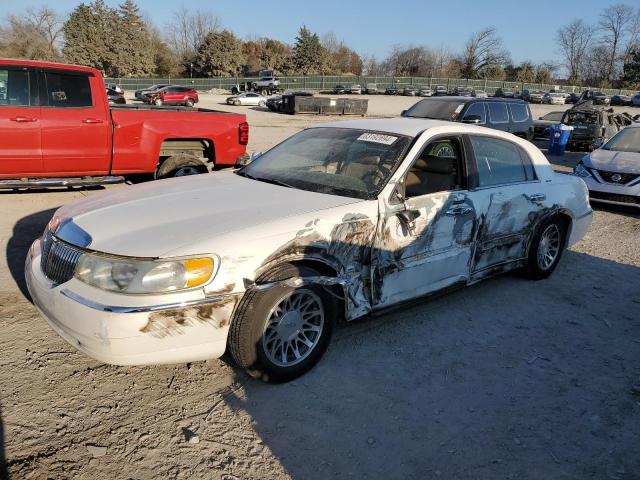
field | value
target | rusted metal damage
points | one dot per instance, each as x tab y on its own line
168	323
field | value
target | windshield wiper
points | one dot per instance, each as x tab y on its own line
265	180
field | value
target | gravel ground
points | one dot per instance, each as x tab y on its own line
506	379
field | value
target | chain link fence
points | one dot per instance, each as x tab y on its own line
327	83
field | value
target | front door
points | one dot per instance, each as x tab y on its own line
76	128
20	145
425	242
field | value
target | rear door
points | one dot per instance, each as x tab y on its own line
498	117
509	199
20	123
76	132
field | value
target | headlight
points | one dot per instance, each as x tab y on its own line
581	170
120	274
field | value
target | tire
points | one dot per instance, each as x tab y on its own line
189	102
264	93
249	334
236	103
180	166
539	268
158	102
262	103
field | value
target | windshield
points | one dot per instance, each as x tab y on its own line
337	161
626	140
553	116
436	109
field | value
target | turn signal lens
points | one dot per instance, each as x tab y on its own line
198	271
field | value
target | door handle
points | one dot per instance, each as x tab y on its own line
459	210
92	120
23	119
537	197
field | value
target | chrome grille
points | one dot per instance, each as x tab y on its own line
59	260
624	177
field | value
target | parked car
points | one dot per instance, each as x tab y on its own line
355	89
336	222
504	93
267	85
114	86
600	98
339	89
410	91
440	90
140	94
480	94
621	100
425	92
592	126
247	98
635	100
572	98
68	134
391	90
173	95
114	97
553	98
533	96
507	115
541	126
612	172
371	89
462	92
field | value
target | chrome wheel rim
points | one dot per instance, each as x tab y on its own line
184	171
549	246
293	328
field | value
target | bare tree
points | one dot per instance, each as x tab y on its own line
35	34
633	37
187	31
614	23
484	49
574	40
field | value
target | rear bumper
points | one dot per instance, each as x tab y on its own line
180	330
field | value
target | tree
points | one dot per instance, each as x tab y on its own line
614	23
410	61
164	61
219	55
309	56
341	58
135	55
543	75
276	55
483	50
90	35
574	41
631	76
36	34
187	32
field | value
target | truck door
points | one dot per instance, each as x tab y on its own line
20	147
76	127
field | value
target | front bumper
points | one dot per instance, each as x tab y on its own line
613	194
174	328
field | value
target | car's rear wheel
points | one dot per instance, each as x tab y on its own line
181	166
158	102
546	248
189	102
280	333
236	102
262	103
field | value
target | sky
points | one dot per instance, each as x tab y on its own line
527	29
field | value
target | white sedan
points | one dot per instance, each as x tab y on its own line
554	98
612	172
247	98
336	222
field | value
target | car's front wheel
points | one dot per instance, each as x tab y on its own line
546	248
158	102
281	332
189	102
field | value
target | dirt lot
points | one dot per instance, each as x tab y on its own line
507	379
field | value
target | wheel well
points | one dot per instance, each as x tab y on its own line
197	147
568	222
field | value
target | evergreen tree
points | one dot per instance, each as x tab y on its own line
219	55
132	43
632	70
309	56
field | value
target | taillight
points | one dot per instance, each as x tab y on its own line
243	133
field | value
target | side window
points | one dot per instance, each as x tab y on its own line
14	88
476	109
437	169
68	91
519	112
500	162
498	112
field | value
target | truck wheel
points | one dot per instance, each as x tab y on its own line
264	93
262	103
280	333
180	166
188	102
546	248
158	102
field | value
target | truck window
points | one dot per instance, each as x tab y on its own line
14	88
498	112
519	112
476	109
68	91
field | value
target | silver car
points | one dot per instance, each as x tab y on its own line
425	92
612	172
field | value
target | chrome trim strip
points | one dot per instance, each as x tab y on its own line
141	309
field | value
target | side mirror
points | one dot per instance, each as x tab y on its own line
403	113
246	159
473	119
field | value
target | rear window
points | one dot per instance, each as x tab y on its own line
498	112
519	112
68	91
14	88
436	109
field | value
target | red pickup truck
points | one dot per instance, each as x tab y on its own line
57	128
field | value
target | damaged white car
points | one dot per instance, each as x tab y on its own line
333	223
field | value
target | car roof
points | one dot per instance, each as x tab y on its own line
459	99
50	65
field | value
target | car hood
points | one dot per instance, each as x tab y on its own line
151	219
611	161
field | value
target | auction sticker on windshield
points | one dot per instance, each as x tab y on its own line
377	138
